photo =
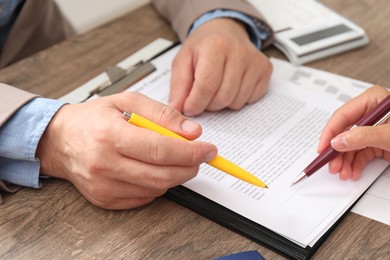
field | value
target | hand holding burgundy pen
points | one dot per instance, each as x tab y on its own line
376	116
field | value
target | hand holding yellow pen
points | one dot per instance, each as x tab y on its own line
218	162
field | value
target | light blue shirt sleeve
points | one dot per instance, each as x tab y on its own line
257	34
19	138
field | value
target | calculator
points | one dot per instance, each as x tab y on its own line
307	30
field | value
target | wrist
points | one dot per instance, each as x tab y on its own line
47	151
257	31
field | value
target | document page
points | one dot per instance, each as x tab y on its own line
375	203
274	139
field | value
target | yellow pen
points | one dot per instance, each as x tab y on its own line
218	161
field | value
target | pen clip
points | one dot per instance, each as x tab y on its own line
383	119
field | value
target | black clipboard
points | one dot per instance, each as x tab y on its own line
245	227
203	205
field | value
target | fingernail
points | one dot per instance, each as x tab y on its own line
211	155
189	126
339	142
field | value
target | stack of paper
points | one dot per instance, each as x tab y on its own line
274	139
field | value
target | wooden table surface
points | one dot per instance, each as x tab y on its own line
56	222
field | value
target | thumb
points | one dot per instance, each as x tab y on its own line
159	113
362	137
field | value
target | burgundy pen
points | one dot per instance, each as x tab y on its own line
376	116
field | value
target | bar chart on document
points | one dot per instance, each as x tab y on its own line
375	203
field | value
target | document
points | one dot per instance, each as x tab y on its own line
274	139
375	203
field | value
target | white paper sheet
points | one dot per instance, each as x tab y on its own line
375	203
274	139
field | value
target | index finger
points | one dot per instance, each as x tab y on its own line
350	113
209	71
153	148
182	78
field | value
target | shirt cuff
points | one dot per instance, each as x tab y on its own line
19	138
256	30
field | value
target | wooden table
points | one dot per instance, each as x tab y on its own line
56	222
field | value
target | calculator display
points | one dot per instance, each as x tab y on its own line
322	34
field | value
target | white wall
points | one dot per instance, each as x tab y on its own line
87	14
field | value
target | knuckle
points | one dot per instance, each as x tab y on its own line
216	40
94	170
206	83
214	106
265	64
193	107
99	133
165	114
221	100
261	88
249	54
339	113
131	95
124	97
193	154
192	157
157	152
94	166
93	163
237	105
100	195
162	182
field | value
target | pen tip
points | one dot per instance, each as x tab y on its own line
300	177
266	187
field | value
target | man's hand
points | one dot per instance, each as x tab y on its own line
218	67
115	164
